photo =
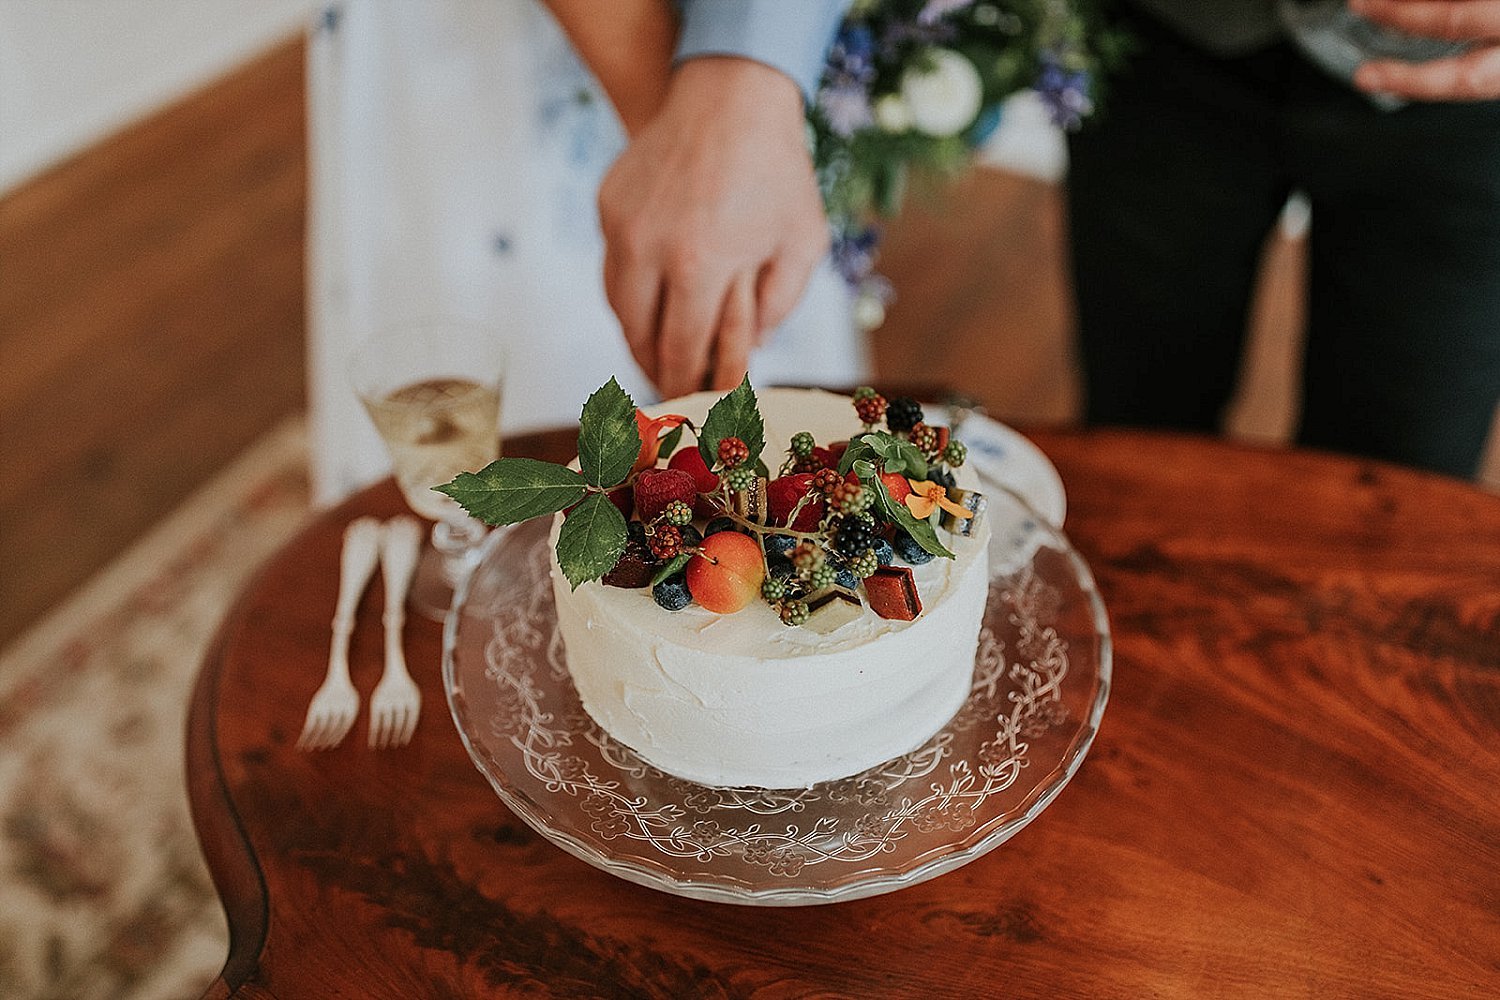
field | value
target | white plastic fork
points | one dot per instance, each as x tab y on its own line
396	703
333	708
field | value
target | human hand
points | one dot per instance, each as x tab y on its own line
712	223
1471	76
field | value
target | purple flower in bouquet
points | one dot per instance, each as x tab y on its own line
854	254
851	60
846	108
1064	92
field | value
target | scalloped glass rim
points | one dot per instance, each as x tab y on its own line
872	880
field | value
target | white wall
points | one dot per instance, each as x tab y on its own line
74	71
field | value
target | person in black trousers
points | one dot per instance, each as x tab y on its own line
1174	186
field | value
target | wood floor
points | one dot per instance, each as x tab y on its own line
151	319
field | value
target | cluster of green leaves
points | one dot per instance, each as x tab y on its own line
594	534
870	454
511	490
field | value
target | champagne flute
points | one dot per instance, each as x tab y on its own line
433	392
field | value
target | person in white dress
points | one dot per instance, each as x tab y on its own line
457	150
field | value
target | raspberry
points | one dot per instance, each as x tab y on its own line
655	488
739	478
795	613
733	453
903	413
665	541
853	537
864	564
851	498
677	513
825	481
782	496
803	444
807	557
773	589
870	409
822	576
925	439
955	454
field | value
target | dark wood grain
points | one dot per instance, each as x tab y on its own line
1292	794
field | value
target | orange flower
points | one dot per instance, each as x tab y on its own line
652	429
927	497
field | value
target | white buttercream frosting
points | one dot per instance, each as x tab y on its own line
742	699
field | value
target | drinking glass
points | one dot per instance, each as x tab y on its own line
433	392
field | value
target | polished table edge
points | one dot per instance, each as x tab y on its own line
232	863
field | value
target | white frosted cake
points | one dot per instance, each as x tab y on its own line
743	699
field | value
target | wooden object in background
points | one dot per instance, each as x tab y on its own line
151	324
1292	791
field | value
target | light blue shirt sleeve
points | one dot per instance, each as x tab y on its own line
792	36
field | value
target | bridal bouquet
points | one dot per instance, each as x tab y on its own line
918	84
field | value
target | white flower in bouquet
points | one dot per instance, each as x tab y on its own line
944	97
893	114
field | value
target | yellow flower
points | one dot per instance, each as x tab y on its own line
926	497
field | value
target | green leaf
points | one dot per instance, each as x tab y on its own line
895	454
670	442
735	415
676	563
919	529
608	439
592	537
509	490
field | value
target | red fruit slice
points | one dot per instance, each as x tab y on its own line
896	485
782	495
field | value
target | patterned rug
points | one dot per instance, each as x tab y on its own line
103	892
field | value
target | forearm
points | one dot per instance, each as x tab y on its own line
629	51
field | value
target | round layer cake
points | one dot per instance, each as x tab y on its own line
742	699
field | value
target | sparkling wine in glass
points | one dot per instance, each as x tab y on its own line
433	393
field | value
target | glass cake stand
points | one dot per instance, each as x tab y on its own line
1041	680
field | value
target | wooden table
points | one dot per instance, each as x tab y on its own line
1295	791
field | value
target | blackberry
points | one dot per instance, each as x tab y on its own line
907	548
903	413
853	537
666	541
885	553
807	557
677	513
925	439
851	498
825	481
956	453
773	589
719	524
733	453
864	564
795	612
803	443
739	478
870	409
865	392
672	593
822	576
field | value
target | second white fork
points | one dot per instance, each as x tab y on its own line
396	702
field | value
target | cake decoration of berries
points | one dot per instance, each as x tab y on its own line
738	479
803	444
955	454
870	405
677	513
665	541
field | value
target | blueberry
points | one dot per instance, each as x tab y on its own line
846	578
908	549
636	531
779	545
941	476
672	593
884	553
690	536
717	525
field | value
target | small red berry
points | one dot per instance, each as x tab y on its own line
733	453
825	481
871	409
665	541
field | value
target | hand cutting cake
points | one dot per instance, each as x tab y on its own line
742	617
